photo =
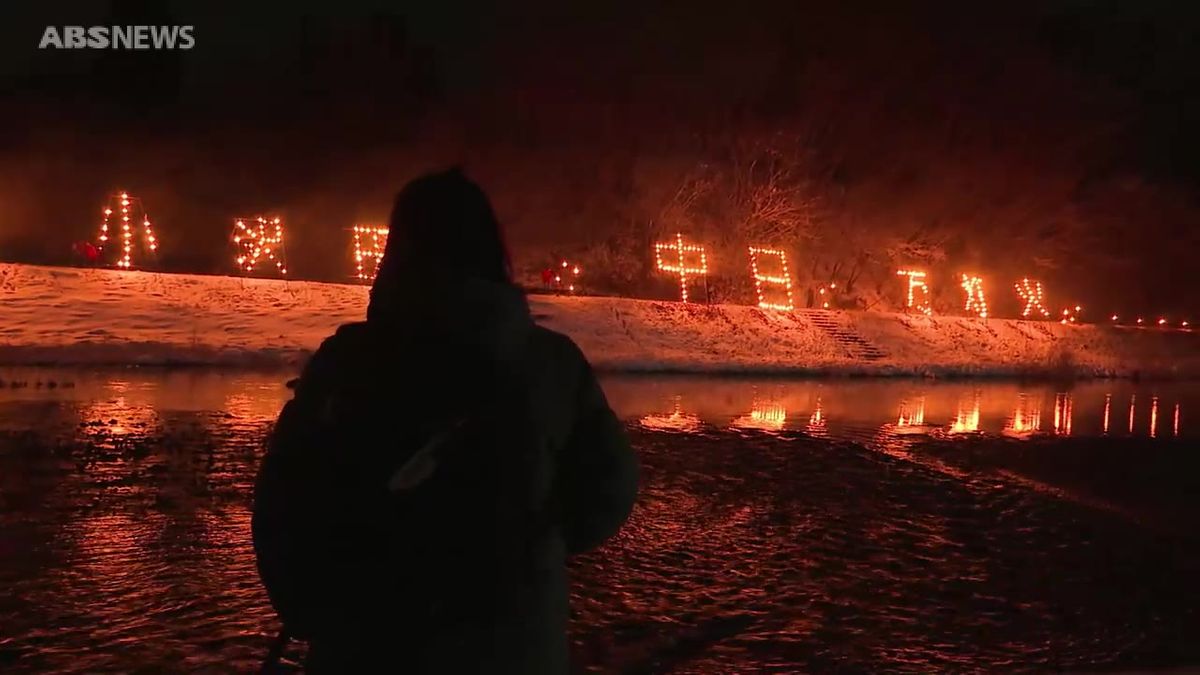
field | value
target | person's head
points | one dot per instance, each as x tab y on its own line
443	223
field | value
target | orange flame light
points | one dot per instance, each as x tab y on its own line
128	207
917	280
369	242
1031	293
680	267
567	270
976	303
912	415
1026	417
763	415
1063	411
782	279
262	238
676	420
966	419
1153	417
816	421
1070	315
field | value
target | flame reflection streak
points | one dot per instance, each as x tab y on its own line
1062	414
259	405
763	416
676	420
816	421
1132	403
1175	426
1107	410
113	420
1153	417
913	416
1026	417
966	420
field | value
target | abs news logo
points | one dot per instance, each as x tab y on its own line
117	37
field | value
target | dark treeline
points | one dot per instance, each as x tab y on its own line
1057	141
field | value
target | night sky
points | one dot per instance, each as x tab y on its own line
1057	139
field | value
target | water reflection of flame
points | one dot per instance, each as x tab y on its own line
260	405
1062	414
1176	424
1153	417
816	421
1027	417
1132	402
912	416
966	419
764	416
117	418
1107	410
677	420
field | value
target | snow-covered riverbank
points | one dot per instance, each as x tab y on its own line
68	316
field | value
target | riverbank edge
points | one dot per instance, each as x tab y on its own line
70	317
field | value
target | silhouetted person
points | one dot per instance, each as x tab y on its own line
437	464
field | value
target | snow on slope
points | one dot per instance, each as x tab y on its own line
81	316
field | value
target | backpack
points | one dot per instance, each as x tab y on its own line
400	493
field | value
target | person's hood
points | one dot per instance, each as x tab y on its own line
473	313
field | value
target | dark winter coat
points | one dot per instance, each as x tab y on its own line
584	483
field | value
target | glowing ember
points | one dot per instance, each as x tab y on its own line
1031	293
917	280
680	267
976	303
782	279
260	239
369	242
129	207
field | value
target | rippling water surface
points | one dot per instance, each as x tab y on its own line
811	525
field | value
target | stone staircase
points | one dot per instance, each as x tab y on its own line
856	345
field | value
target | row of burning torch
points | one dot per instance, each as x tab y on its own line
259	243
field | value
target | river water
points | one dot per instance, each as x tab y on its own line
783	525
